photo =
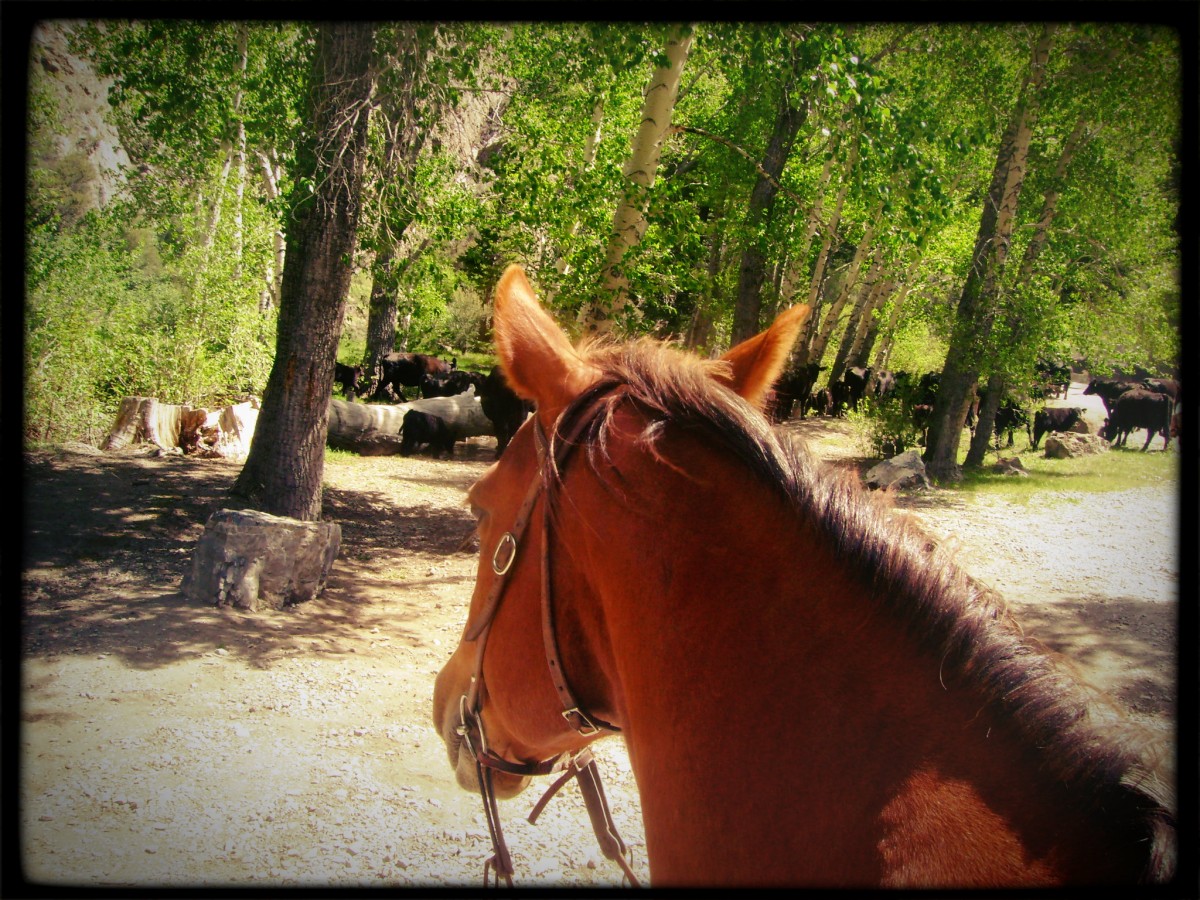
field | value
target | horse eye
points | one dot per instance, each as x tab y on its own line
478	513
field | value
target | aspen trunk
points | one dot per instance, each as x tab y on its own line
589	159
748	303
240	149
814	285
868	326
883	356
629	221
976	307
865	293
835	311
994	395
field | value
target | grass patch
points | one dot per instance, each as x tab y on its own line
1116	470
477	362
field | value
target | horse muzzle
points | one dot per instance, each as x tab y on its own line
465	747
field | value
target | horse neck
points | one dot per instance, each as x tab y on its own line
781	729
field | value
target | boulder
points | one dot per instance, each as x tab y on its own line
1068	445
1009	465
903	471
253	560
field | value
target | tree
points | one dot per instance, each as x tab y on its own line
789	118
629	220
977	304
282	473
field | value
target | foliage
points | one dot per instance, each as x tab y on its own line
163	294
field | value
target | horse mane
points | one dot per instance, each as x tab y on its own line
950	615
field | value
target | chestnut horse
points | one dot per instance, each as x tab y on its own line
810	693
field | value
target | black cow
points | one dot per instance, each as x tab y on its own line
1054	419
503	407
1054	377
1167	386
459	381
349	378
927	388
848	390
1109	389
401	370
424	430
883	384
790	387
820	403
1139	409
922	414
1010	416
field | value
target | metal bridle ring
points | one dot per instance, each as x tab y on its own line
506	539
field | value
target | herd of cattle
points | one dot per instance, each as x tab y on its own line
1152	404
433	377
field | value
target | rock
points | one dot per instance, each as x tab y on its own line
1010	465
253	560
903	471
1081	427
1068	445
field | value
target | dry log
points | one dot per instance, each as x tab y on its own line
226	431
145	419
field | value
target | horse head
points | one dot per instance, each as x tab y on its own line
519	699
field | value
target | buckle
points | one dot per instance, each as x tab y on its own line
507	544
587	729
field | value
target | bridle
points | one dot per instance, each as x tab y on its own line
552	457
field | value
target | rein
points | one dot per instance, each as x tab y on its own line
580	766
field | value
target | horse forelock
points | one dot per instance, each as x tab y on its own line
950	615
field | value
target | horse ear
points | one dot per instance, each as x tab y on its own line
535	354
756	362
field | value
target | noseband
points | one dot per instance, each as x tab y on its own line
552	457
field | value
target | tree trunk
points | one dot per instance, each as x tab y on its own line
240	149
404	140
629	221
868	326
589	159
283	470
976	307
382	310
818	275
835	311
700	331
748	302
997	383
273	277
883	356
855	323
798	265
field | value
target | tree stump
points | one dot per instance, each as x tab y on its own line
253	560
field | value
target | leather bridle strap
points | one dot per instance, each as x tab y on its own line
581	766
572	711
